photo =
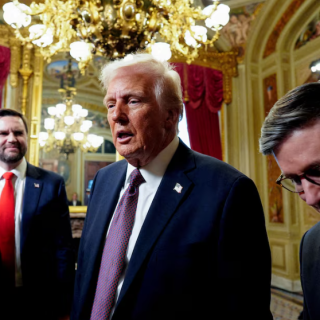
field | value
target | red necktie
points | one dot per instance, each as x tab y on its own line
115	249
7	235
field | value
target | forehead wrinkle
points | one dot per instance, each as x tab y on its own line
309	166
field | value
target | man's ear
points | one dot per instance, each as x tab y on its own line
172	117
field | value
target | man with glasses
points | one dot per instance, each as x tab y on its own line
291	132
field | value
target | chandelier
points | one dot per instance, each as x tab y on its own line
67	128
114	28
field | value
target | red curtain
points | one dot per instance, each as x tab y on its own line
4	68
203	94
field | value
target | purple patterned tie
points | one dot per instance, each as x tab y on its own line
115	249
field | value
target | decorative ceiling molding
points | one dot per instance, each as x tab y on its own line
276	32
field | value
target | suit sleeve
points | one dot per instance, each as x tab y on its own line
77	301
306	315
64	255
244	255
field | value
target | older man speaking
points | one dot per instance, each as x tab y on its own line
169	233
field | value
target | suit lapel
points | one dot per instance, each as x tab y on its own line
103	204
32	191
162	208
100	210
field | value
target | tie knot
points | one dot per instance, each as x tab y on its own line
136	178
8	175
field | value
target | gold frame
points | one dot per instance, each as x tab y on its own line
78	211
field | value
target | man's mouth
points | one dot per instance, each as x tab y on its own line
124	136
12	148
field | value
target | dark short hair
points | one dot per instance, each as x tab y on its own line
296	110
14	113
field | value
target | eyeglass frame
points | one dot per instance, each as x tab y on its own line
283	177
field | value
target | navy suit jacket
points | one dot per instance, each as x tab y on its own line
47	256
201	254
310	272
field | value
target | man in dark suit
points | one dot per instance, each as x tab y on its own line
291	132
37	260
198	247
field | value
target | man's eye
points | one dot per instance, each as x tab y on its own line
109	106
296	180
134	101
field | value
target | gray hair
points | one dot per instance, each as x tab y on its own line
167	84
296	110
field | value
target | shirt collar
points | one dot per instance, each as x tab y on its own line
20	171
158	166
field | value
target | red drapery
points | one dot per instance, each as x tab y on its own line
4	68
203	93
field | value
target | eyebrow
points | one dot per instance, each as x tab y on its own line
126	94
14	131
305	170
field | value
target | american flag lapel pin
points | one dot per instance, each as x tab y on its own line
178	187
36	185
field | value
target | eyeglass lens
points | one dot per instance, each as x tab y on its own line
295	185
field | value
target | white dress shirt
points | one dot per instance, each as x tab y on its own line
152	173
18	181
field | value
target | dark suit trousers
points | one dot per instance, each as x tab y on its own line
17	304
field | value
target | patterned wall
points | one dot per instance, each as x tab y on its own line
274	191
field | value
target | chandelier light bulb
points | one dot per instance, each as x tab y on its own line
95	140
16	15
219	18
200	34
39	31
69	120
84	128
190	41
61	108
59	135
161	51
43	136
87	123
81	50
78	136
52	111
42	143
83	113
49	123
76	108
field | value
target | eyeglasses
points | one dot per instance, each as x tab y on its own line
293	184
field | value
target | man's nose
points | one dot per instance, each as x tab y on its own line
11	137
311	194
119	112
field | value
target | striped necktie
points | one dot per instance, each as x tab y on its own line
115	250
